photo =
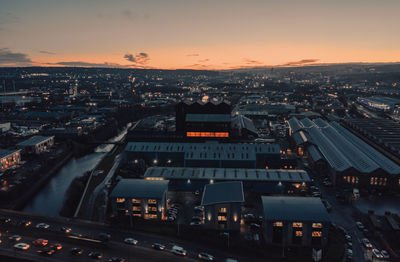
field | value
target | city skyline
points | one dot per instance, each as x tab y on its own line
193	35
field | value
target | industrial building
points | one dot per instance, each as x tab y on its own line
9	158
261	181
4	127
222	205
140	198
348	159
380	103
295	221
209	154
36	144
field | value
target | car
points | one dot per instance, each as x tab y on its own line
177	250
15	238
95	255
197	193
46	251
349	244
366	243
26	223
199	208
40	242
249	216
5	220
130	241
348	238
385	254
360	225
377	253
66	229
316	194
171	218
205	256
349	252
56	246
22	246
117	259
195	223
43	225
158	246
76	251
104	236
196	218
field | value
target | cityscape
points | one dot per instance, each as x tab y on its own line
184	147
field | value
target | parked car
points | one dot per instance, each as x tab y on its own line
195	223
15	238
199	208
130	241
117	259
177	250
21	246
66	229
104	236
56	246
26	223
385	254
158	246
46	251
377	253
95	255
76	251
348	238
360	225
196	218
40	242
43	225
205	256
366	243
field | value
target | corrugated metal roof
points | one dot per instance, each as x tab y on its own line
140	188
5	152
300	137
240	174
34	140
294	209
314	153
223	192
208	118
294	124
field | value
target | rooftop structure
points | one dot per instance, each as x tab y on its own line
34	140
139	188
225	192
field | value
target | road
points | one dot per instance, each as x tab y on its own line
142	252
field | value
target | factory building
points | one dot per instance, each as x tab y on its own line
348	159
209	154
140	198
36	144
261	181
222	205
295	221
9	158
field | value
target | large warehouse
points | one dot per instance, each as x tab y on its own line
209	154
263	181
345	156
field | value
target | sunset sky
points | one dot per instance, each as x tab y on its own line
198	34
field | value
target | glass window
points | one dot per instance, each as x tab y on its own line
299	233
317	234
278	224
297	224
317	225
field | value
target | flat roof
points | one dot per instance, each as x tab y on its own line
5	152
295	209
140	188
223	192
228	174
208	117
34	140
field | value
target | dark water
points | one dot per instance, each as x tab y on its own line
50	199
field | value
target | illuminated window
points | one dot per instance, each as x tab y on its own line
152	201
222	210
136	208
136	201
120	200
207	134
299	233
317	225
316	234
278	224
222	218
297	224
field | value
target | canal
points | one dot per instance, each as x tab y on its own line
49	201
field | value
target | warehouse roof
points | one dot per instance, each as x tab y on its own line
299	209
228	174
314	153
140	188
301	137
208	118
34	140
223	192
5	152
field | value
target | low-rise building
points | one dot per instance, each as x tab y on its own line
4	127
9	158
222	205
37	144
295	221
140	198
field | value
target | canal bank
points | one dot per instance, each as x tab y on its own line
49	201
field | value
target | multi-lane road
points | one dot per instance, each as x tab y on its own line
143	251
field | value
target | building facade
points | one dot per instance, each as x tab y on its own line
9	158
37	144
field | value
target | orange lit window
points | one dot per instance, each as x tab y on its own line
297	224
120	200
207	134
299	233
317	225
317	234
278	224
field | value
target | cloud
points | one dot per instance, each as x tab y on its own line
252	62
8	57
85	64
203	60
47	52
139	59
300	62
192	55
